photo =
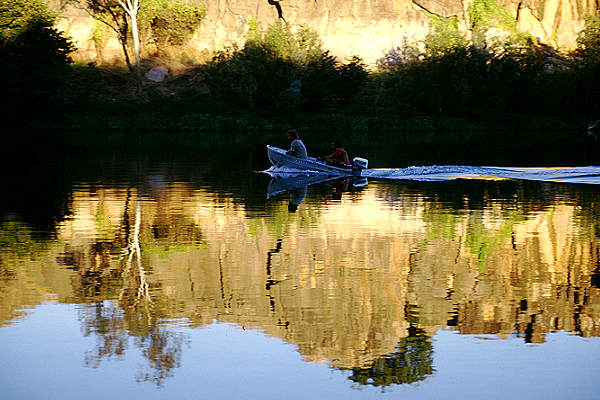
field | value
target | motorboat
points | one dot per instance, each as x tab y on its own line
287	164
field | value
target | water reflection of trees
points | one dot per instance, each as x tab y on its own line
466	263
106	321
162	348
411	362
134	314
114	327
536	247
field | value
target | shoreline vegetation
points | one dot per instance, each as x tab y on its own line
447	88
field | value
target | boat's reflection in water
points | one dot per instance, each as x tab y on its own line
297	186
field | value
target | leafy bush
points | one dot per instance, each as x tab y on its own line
353	76
588	41
278	70
169	23
299	47
253	77
35	56
463	81
326	82
16	15
487	14
587	67
319	81
443	37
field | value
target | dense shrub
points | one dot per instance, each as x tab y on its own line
447	74
589	41
509	75
169	23
353	76
299	47
252	77
319	82
16	15
35	66
326	82
443	37
587	64
278	70
485	15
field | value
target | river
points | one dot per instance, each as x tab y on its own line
134	276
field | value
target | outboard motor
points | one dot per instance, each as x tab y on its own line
358	164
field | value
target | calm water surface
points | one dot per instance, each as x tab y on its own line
175	278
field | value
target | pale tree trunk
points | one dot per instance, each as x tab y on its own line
131	7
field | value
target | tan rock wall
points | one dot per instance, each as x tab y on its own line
556	22
347	27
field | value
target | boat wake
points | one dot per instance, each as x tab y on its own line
589	175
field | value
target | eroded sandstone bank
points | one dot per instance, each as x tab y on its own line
366	28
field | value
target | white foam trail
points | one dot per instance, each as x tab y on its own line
588	175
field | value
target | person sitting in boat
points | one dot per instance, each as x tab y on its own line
339	157
297	148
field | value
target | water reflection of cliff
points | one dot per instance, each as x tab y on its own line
349	283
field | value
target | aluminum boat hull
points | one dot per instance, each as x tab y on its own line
279	159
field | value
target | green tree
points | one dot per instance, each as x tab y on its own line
252	77
17	15
131	8
443	36
122	17
36	56
281	70
588	41
486	14
264	73
113	15
170	23
587	64
300	47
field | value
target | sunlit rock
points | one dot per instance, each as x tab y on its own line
157	74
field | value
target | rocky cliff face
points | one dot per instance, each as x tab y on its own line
364	27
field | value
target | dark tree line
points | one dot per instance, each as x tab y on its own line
278	71
281	71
